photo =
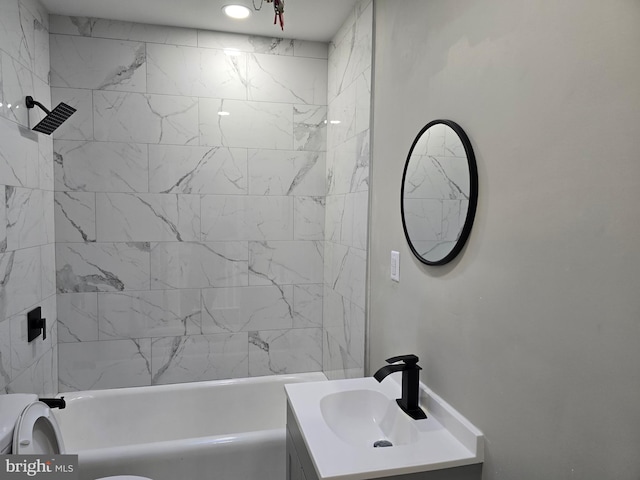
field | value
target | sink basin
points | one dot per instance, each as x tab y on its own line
364	417
340	420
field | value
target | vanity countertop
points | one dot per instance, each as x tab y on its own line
340	420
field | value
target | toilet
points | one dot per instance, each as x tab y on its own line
28	427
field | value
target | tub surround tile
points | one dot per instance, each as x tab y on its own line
39	378
48	265
198	265
348	267
102	267
5	354
78	126
110	364
303	48
197	358
98	64
159	313
244	309
3	221
41	64
75	217
17	83
277	78
141	118
285	262
15	31
308	217
147	217
286	172
114	29
307	306
345	323
337	363
45	163
100	166
198	170
285	351
226	218
77	317
235	42
18	290
348	166
197	72
19	156
310	127
249	124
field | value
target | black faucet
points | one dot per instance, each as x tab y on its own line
410	383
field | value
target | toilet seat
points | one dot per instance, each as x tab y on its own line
37	432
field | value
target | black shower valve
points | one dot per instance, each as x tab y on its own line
36	325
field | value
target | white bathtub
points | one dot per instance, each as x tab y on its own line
218	430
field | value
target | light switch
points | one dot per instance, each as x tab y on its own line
395	265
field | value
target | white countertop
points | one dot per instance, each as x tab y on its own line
444	440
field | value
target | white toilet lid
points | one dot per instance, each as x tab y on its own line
37	432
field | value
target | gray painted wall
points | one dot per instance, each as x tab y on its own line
533	333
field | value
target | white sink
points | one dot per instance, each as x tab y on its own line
340	421
364	417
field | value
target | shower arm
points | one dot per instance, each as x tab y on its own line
30	102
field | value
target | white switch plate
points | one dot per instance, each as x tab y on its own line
395	265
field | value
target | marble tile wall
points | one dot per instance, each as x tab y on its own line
27	250
189	203
346	222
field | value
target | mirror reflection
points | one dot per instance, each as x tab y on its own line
439	192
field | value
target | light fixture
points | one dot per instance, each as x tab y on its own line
236	11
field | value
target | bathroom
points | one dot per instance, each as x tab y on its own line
531	336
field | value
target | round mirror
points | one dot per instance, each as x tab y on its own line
439	192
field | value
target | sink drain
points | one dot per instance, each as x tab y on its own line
382	443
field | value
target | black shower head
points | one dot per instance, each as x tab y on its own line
54	118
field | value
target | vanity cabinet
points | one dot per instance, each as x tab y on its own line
300	466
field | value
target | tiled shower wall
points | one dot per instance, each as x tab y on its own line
347	201
27	251
189	204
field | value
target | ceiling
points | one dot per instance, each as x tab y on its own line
316	20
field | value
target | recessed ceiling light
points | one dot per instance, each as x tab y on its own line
236	11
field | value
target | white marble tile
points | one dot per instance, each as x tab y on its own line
303	48
335	218
158	313
199	357
78	126
25	225
285	262
45	162
423	218
202	170
3	222
19	160
5	354
138	118
48	265
98	64
37	378
37	10
248	125
241	217
100	166
17	83
348	269
18	290
22	47
23	352
199	265
244	309
341	115
337	363
198	72
308	219
109	364
310	127
277	78
102	28
348	166
235	42
363	101
285	351
285	172
75	216
77	317
41	51
307	306
102	267
345	323
147	217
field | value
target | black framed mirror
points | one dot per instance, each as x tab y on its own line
439	192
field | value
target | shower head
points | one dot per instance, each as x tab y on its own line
54	118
